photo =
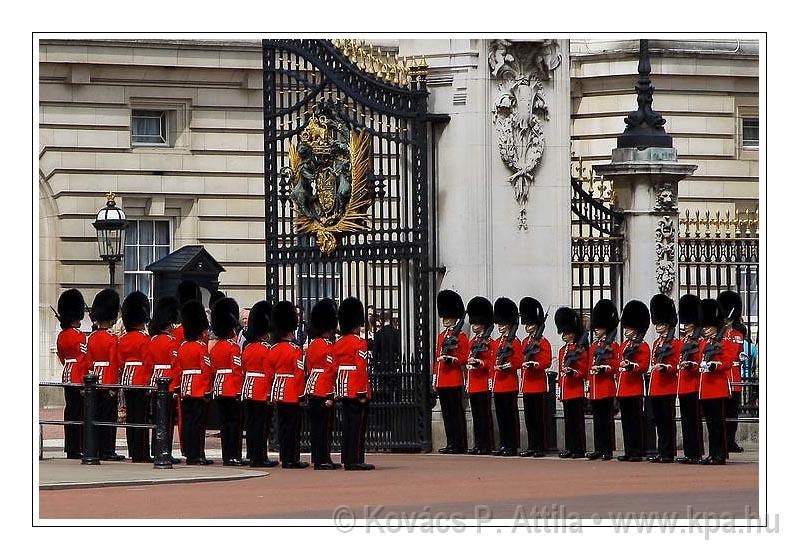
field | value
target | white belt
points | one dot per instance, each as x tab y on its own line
224	371
347	368
161	367
132	364
70	361
191	371
101	364
317	370
254	374
735	363
284	375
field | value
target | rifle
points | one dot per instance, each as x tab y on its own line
665	350
571	356
633	347
604	351
450	341
481	344
691	346
54	312
504	353
711	350
535	345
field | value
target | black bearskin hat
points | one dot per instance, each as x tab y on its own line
284	318
258	321
530	311
224	316
505	311
105	306
165	314
215	296
689	309
662	310
323	316
568	321
604	315
351	315
187	291
135	310
636	316
195	321
449	305
731	304
480	311
71	307
711	313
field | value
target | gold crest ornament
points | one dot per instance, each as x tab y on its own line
327	173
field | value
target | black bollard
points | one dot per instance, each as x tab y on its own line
161	451
89	416
551	434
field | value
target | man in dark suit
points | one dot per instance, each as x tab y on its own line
301	335
386	351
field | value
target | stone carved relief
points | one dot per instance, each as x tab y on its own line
519	108
666	198
665	254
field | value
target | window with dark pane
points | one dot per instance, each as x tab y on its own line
750	133
146	241
148	127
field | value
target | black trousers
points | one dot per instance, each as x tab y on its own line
172	415
454	417
507	412
664	414
289	416
714	411
631	413
574	426
603	425
194	415
137	403
691	425
73	411
482	426
321	424
535	420
230	415
354	429
732	412
107	412
258	416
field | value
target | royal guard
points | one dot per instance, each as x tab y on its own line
257	384
719	355
663	388
573	369
194	365
213	298
226	365
188	290
71	351
161	355
735	331
320	386
603	366
689	379
350	355
288	372
480	363
132	353
452	350
102	360
634	363
505	376
536	358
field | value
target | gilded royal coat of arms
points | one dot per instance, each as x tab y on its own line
328	176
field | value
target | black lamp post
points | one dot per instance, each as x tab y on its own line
110	225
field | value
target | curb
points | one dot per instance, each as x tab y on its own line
241	475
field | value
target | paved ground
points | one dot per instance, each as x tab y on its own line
407	484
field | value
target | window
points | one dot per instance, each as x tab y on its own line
146	241
750	132
149	127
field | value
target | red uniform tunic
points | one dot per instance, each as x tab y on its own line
226	364
350	355
71	351
478	376
101	357
132	354
257	376
288	372
630	383
450	373
601	384
665	381
689	378
534	379
177	332
736	338
161	355
571	386
717	384
507	380
194	365
319	363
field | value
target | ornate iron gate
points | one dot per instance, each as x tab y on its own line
385	263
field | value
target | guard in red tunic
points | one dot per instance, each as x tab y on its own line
188	290
161	355
536	358
719	354
735	331
603	366
664	375
101	359
257	384
689	379
136	370
288	384
194	364
452	350
226	365
573	369
505	380
635	362
350	355
480	363
71	350
321	382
